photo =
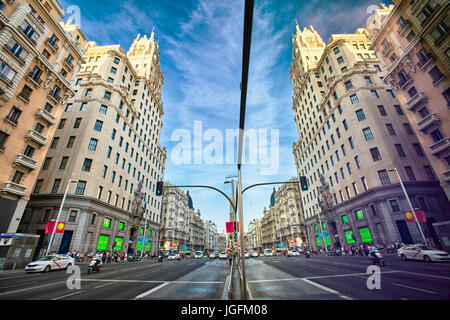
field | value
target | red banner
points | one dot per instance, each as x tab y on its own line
51	225
230	226
419	214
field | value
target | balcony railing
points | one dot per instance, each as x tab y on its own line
404	83
440	146
52	46
428	121
36	81
55	99
416	100
36	137
68	64
46	116
14	188
10	50
26	162
423	64
3	18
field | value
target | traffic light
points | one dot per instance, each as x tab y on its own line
303	184
159	188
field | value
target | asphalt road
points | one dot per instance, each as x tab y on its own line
295	278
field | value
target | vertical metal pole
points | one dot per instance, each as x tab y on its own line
143	240
58	216
410	205
241	235
321	230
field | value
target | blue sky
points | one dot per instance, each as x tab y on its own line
200	45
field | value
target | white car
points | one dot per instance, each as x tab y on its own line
268	252
198	255
222	255
246	255
51	262
174	256
213	255
254	254
293	253
422	252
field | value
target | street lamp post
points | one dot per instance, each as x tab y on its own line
410	205
59	213
321	230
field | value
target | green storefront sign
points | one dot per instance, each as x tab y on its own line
119	242
359	214
349	236
365	235
102	243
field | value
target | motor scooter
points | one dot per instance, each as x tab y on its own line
307	254
376	259
93	266
160	258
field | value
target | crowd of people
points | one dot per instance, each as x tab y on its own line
106	256
360	250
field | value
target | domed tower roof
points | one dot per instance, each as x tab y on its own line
190	203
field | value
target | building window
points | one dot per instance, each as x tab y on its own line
103	109
390	94
354	99
98	125
63	163
348	85
105	169
410	174
108	153
436	75
73	215
93	144
56	184
77	123
382	110
390	129
38	186
99	194
429	172
400	151
359	214
436	135
62	123
352	145
14	115
87	165
363	181
358	164
418	149
368	134
70	142
374	94
46	163
6	73
384	177
394	205
113	70
360	115
107	96
81	186
399	110
375	154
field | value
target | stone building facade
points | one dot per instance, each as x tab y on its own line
411	41
108	141
38	58
352	132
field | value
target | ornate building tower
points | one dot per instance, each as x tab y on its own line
107	140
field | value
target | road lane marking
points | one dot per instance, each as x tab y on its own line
146	293
426	275
401	285
104	285
327	289
37	287
20	284
67	295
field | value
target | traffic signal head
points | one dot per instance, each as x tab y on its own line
159	188
303	184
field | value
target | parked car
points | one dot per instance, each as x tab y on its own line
223	255
268	252
254	254
293	253
198	255
246	255
213	255
50	262
174	256
422	252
